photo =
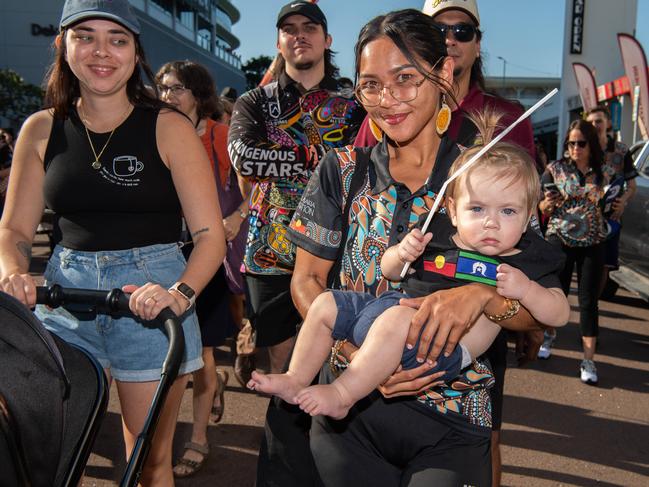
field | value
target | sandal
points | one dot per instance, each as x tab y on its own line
216	414
190	467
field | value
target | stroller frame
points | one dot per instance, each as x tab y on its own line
109	302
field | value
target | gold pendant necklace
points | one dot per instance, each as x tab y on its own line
96	164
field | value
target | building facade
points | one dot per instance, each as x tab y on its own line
590	37
200	30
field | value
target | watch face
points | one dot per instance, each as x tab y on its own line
186	290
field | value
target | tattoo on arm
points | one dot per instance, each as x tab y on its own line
25	249
198	232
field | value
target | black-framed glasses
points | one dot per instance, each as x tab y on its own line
581	143
173	89
461	32
370	93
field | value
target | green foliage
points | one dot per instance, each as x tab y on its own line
18	99
255	68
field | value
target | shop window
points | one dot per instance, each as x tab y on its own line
162	11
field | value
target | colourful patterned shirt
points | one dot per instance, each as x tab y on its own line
618	161
381	214
277	137
578	221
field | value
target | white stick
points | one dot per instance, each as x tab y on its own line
473	160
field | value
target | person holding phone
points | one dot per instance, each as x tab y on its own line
573	190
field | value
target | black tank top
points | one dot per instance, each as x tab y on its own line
129	202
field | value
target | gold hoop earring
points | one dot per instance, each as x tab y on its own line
443	117
376	130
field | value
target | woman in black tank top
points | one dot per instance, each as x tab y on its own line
117	166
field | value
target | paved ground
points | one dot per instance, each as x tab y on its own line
557	431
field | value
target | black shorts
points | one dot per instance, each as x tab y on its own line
497	355
270	309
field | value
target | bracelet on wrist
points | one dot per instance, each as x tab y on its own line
513	306
335	353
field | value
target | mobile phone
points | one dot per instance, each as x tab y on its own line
551	188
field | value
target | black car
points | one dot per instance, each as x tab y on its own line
634	239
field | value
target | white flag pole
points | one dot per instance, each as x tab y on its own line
481	152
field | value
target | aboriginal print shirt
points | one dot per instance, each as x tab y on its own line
278	134
381	214
618	162
578	221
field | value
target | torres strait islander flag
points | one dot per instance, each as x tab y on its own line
464	265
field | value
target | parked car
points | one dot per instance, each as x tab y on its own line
634	239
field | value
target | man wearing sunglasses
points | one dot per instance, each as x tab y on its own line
459	20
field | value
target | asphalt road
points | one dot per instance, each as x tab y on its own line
556	431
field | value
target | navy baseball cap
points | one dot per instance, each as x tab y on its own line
116	10
308	9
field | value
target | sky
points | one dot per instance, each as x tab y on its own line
527	34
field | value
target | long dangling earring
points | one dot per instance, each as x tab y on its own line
376	130
443	117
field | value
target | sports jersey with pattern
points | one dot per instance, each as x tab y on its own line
278	134
381	214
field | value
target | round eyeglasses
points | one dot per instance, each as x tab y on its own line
370	93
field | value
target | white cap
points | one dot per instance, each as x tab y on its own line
470	7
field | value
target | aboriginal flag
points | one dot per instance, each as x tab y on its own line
464	265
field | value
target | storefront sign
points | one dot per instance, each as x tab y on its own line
44	30
577	32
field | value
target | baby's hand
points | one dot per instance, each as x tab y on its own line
511	282
413	245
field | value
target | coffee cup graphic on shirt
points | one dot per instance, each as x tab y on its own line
126	166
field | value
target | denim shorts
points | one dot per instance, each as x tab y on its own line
132	349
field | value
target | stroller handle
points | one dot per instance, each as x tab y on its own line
116	301
105	302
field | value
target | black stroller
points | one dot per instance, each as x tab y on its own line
53	395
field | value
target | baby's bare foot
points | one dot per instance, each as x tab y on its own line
285	386
327	400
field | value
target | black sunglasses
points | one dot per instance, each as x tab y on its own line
461	32
580	143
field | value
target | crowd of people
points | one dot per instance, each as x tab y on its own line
292	213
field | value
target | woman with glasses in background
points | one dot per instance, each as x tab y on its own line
190	88
573	189
432	435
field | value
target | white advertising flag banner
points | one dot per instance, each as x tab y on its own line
587	86
635	66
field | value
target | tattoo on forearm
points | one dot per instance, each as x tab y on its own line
25	249
198	232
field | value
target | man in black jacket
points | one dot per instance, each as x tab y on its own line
278	134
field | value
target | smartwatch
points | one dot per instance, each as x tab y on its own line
185	291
